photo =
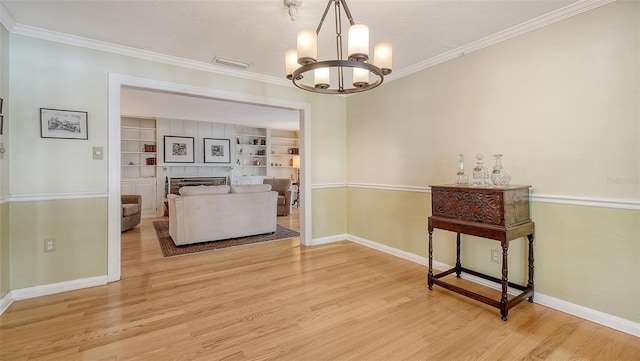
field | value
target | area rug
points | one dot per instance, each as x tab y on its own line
169	249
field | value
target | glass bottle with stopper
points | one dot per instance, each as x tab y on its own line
461	178
499	176
480	173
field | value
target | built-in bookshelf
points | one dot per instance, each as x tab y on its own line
138	148
138	161
284	159
251	151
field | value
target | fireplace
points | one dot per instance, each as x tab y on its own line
173	185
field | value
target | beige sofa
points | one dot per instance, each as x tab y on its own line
211	213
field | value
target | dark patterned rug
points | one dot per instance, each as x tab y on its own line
169	249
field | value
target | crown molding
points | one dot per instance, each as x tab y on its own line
541	21
523	28
38	33
6	19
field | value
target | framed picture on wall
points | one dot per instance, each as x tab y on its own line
217	150
178	149
64	124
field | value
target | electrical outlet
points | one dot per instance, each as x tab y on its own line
50	245
495	256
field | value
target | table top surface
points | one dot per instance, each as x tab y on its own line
470	187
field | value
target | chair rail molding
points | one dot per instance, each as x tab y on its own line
585	201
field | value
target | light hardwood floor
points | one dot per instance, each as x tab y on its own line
283	301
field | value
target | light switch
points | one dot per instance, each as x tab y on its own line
98	153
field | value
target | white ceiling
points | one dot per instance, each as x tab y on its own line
260	31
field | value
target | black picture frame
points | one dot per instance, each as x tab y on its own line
217	150
1	124
64	124
178	149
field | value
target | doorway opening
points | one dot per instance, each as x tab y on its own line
118	82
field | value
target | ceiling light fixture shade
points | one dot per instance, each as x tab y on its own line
322	78
357	62
307	46
382	56
291	60
359	42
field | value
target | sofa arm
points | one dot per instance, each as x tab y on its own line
288	195
131	198
176	213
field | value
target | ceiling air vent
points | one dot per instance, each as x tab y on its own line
219	60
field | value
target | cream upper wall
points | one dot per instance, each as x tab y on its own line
561	104
53	75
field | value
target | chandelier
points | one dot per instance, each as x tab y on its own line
303	61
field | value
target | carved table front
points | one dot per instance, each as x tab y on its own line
498	213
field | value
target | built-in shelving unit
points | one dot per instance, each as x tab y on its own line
138	148
284	159
138	161
251	151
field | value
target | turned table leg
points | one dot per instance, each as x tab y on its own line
430	273
530	281
505	280
458	264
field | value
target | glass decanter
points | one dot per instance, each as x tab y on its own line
461	178
480	173
499	176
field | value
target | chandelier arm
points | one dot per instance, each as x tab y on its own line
346	11
326	10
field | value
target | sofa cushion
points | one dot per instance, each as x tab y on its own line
129	209
199	190
250	188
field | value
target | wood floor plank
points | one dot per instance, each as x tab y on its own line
284	301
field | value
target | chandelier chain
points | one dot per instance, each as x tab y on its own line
339	45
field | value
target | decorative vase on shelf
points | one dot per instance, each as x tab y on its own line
499	176
480	173
461	178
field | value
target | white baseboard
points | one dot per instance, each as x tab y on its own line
325	240
390	250
5	302
605	319
50	289
44	290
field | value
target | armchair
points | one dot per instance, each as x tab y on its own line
283	187
131	210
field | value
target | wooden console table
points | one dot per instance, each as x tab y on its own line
498	213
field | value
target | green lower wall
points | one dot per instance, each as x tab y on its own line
588	256
328	212
78	225
5	272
